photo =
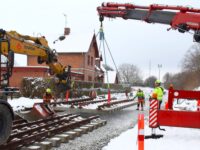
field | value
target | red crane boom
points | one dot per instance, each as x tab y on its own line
178	17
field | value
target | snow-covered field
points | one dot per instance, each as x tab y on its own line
22	102
174	139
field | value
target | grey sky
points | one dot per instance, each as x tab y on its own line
130	41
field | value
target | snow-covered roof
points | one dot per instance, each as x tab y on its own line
75	42
111	76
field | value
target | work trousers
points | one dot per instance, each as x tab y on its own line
140	103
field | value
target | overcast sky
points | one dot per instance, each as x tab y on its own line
130	41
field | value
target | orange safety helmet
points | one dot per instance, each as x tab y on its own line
154	95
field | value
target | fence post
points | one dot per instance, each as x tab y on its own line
109	96
140	131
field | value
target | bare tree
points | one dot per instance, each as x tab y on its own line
150	81
191	67
182	80
130	73
191	61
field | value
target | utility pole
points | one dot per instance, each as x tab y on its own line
159	68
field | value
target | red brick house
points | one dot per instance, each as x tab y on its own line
83	57
20	72
32	71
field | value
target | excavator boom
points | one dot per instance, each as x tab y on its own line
12	42
35	46
178	17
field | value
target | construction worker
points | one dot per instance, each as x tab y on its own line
47	97
141	97
158	92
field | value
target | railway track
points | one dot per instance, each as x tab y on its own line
36	134
50	132
101	105
117	105
78	102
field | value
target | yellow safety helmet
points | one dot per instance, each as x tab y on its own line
48	90
158	82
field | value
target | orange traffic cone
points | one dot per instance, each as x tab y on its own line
140	131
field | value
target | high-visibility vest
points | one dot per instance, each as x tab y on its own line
140	95
158	93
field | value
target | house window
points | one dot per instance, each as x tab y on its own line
88	60
91	61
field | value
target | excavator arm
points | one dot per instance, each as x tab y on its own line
13	42
178	17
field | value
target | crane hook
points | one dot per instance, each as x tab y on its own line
101	18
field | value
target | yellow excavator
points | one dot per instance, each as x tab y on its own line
12	42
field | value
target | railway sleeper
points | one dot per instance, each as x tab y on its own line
70	135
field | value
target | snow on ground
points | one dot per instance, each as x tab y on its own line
22	102
174	139
183	104
197	89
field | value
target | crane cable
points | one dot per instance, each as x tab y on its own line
112	58
102	38
104	43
